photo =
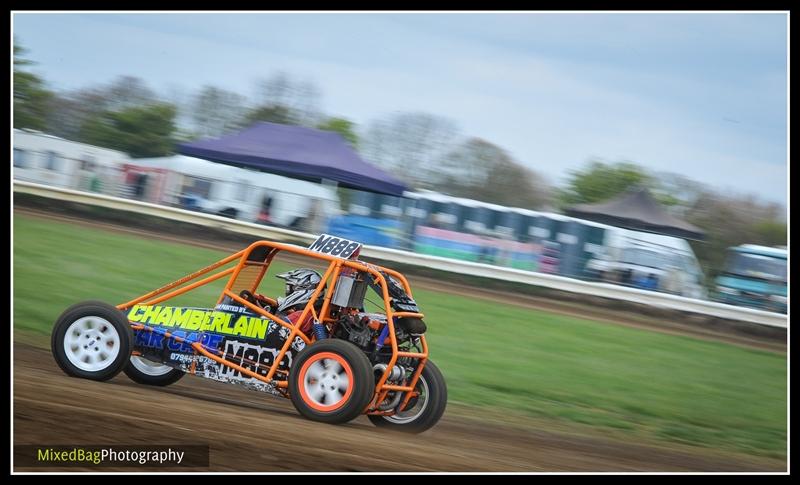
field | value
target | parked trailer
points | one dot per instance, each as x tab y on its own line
234	192
177	181
50	160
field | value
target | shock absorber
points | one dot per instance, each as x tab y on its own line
379	344
320	331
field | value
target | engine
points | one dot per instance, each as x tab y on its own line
361	329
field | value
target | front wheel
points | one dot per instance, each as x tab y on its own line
151	373
92	340
331	381
424	410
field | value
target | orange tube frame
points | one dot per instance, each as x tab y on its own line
330	277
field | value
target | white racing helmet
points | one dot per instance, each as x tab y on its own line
300	285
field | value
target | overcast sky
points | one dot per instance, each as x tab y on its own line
703	95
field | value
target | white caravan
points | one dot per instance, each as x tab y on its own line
50	160
231	191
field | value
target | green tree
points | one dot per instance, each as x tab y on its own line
601	181
770	233
141	131
31	98
273	113
343	127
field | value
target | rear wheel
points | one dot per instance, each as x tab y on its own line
92	340
331	381
424	410
151	373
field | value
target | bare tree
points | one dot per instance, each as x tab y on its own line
71	110
412	145
307	104
677	192
215	111
731	219
471	162
478	169
277	89
300	99
127	92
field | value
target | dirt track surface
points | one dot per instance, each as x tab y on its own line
585	311
248	431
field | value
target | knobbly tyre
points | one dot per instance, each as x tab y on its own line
316	345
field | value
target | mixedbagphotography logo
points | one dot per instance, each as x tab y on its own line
192	456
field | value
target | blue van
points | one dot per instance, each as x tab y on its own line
754	276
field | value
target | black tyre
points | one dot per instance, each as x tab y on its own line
151	373
423	411
92	340
331	381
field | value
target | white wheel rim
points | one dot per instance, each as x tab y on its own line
149	367
409	415
91	343
326	382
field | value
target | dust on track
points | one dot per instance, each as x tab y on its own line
250	431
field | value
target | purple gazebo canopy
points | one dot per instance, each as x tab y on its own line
297	152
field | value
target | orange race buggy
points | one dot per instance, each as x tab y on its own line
333	359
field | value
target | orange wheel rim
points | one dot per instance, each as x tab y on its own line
325	382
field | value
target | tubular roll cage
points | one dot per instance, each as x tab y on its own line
331	276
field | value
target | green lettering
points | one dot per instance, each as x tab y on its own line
164	316
180	317
258	328
241	326
228	328
217	324
134	314
150	314
195	320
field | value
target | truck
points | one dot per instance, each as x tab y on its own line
754	276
